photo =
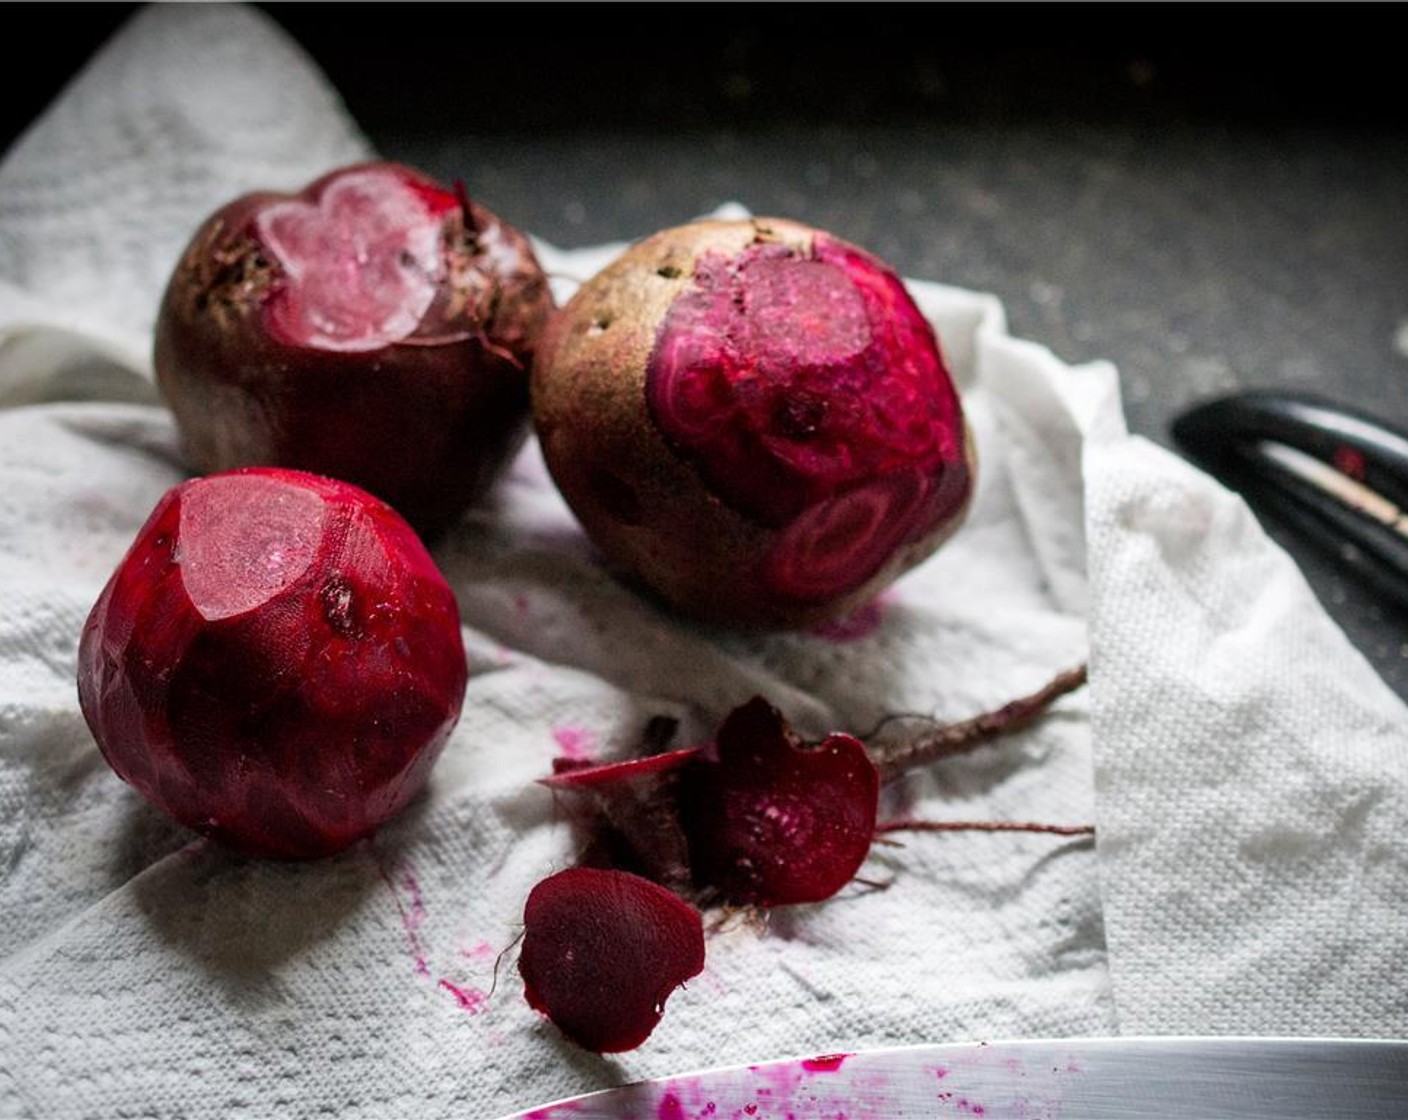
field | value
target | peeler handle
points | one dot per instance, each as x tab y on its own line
1335	474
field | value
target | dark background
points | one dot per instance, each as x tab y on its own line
1211	196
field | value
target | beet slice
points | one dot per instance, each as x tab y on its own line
276	662
570	774
602	952
771	821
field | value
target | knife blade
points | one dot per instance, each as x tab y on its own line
1221	1078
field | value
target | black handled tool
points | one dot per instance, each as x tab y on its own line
1335	474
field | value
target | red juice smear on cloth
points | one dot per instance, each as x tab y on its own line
861	623
575	743
824	1063
470	999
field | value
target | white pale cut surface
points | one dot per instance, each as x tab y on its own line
1243	765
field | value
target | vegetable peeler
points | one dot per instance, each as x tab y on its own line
1334	474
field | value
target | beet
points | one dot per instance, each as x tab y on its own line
771	821
276	663
602	951
626	814
755	405
376	327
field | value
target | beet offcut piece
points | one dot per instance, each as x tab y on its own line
276	663
758	406
603	950
772	821
376	327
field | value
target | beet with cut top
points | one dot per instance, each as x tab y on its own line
376	327
758	406
276	662
772	821
603	950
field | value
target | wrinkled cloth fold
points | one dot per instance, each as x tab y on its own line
1245	769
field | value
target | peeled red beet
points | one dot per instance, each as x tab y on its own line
376	327
276	663
603	950
756	406
772	821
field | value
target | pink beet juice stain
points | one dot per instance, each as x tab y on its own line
670	1108
411	909
469	999
413	917
824	1063
860	624
480	951
575	743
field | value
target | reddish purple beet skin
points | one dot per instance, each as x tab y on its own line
276	663
756	406
602	951
771	821
376	327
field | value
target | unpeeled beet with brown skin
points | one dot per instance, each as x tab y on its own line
376	327
754	420
276	663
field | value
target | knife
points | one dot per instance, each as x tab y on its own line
1227	1078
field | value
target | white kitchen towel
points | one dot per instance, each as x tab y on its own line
1244	767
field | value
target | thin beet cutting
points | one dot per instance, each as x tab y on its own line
755	818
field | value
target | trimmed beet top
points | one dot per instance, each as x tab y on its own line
753	405
276	662
772	821
376	327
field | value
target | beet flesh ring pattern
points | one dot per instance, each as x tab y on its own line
771	821
376	327
810	394
799	440
276	663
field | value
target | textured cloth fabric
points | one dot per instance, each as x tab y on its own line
1244	767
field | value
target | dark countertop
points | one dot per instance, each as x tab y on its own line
1207	202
